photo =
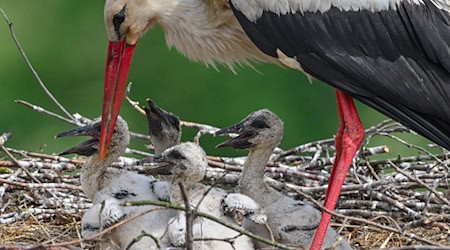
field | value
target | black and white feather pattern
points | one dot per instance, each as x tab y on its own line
395	59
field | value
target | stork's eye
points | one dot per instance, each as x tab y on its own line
176	155
259	124
118	19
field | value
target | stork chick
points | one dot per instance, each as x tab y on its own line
108	188
292	222
187	163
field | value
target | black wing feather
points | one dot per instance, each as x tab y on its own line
396	61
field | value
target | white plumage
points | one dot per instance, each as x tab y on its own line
253	9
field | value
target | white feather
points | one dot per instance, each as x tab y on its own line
253	9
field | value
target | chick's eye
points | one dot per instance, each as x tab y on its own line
259	124
176	155
174	121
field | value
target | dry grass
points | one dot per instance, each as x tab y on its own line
64	228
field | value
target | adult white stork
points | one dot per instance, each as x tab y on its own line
393	55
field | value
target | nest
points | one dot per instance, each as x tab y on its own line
385	203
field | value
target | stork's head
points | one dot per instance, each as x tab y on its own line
203	30
126	21
261	129
129	19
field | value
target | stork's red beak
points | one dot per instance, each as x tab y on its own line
117	67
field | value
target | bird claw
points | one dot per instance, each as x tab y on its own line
110	213
162	190
89	229
177	230
90	224
240	206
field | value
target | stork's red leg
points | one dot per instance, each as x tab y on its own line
337	142
348	139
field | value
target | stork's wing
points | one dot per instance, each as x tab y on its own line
442	4
392	55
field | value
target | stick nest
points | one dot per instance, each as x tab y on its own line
385	203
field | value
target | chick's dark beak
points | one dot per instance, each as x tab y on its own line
242	141
154	116
158	117
233	129
88	130
164	165
86	148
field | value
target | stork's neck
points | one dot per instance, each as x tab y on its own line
160	146
252	182
94	171
207	34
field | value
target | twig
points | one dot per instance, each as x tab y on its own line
44	111
4	138
304	147
394	203
428	221
440	197
45	156
138	136
135	105
409	145
22	52
364	221
227	240
141	236
62	166
189	217
41	185
15	160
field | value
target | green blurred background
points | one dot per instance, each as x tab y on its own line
66	42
